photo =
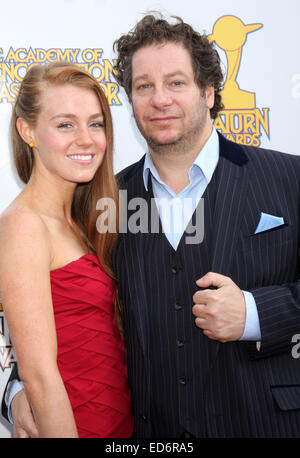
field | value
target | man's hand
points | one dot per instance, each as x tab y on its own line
24	425
221	312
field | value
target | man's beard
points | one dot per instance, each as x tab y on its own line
185	141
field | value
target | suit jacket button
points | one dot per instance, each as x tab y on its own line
177	306
144	418
182	381
179	343
174	270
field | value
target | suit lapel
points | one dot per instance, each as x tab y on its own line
232	183
134	249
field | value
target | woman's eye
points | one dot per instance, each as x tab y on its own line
64	125
97	124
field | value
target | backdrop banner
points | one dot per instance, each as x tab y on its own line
257	41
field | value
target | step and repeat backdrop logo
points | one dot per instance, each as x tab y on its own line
15	62
241	120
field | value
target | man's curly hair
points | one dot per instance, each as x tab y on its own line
151	30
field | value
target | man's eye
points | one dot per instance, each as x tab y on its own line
177	83
143	86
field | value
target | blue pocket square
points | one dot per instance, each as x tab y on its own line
268	222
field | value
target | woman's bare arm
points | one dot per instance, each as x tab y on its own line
26	294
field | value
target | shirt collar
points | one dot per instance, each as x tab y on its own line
205	162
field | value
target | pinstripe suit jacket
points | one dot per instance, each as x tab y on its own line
248	392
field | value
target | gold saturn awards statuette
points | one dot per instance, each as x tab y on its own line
230	34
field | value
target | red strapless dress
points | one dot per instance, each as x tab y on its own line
91	356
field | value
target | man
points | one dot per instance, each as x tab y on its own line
208	321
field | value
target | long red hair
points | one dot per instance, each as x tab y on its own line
27	106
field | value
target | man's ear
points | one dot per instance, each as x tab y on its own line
24	130
210	96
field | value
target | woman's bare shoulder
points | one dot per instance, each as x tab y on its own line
19	217
23	229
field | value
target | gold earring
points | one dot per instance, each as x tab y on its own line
31	144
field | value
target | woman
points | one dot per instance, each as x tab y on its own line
56	279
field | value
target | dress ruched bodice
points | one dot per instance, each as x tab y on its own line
91	355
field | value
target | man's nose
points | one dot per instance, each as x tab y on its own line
161	97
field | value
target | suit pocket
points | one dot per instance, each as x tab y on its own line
287	397
274	237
